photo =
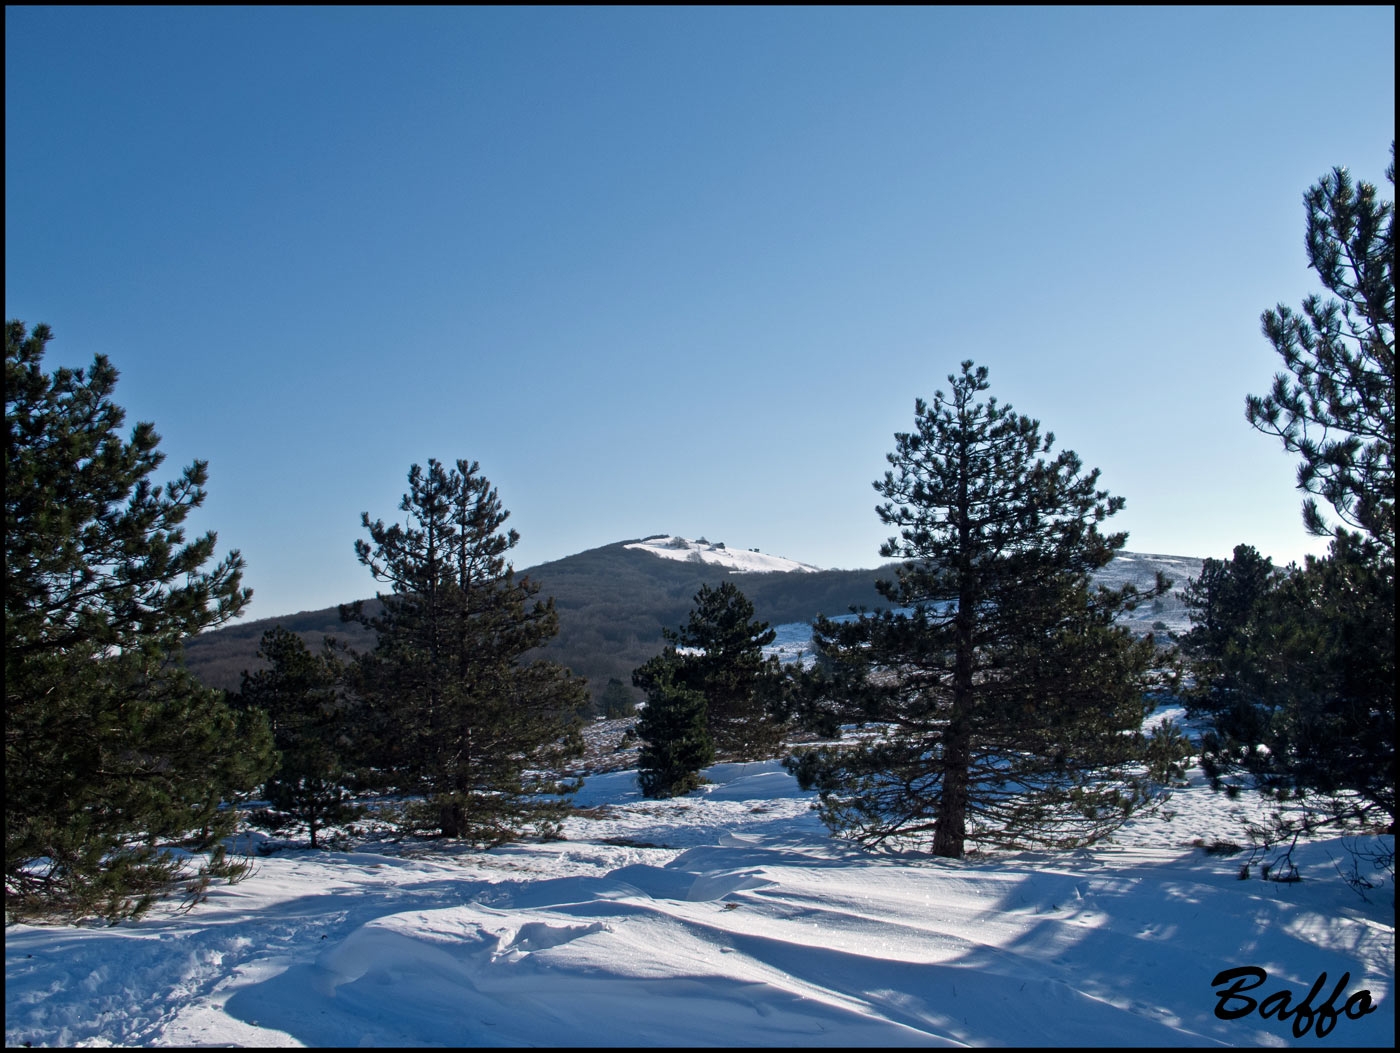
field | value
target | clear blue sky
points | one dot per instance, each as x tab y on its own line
677	270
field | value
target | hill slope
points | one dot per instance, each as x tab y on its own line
613	602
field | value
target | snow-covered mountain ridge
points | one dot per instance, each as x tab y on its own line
745	561
1166	613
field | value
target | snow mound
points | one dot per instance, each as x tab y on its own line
726	917
715	554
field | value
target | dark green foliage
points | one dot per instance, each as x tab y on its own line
1296	669
1298	681
220	657
1222	599
1007	704
1225	604
454	712
674	732
110	746
1337	409
302	695
616	700
723	660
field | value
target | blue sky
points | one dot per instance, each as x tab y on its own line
677	270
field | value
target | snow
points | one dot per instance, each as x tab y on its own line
743	561
727	917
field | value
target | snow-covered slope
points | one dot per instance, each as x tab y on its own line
701	551
1140	569
1161	615
727	917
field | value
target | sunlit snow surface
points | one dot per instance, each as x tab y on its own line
727	917
702	551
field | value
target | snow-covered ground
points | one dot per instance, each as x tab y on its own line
671	547
727	917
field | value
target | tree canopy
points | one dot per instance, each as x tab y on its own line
719	654
110	747
304	699
675	735
1296	668
1004	705
1335	404
453	710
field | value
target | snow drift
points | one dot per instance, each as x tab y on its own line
727	917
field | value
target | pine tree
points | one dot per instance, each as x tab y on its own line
1223	601
111	748
1337	409
302	695
674	731
723	660
1301	689
616	701
1226	606
459	716
1295	671
1007	706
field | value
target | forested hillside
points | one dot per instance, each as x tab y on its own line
614	601
219	658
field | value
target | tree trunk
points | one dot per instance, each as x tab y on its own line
950	833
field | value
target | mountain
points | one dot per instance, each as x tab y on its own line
613	602
749	561
1140	568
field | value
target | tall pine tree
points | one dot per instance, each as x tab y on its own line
1301	690
111	748
1335	405
1006	705
457	715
